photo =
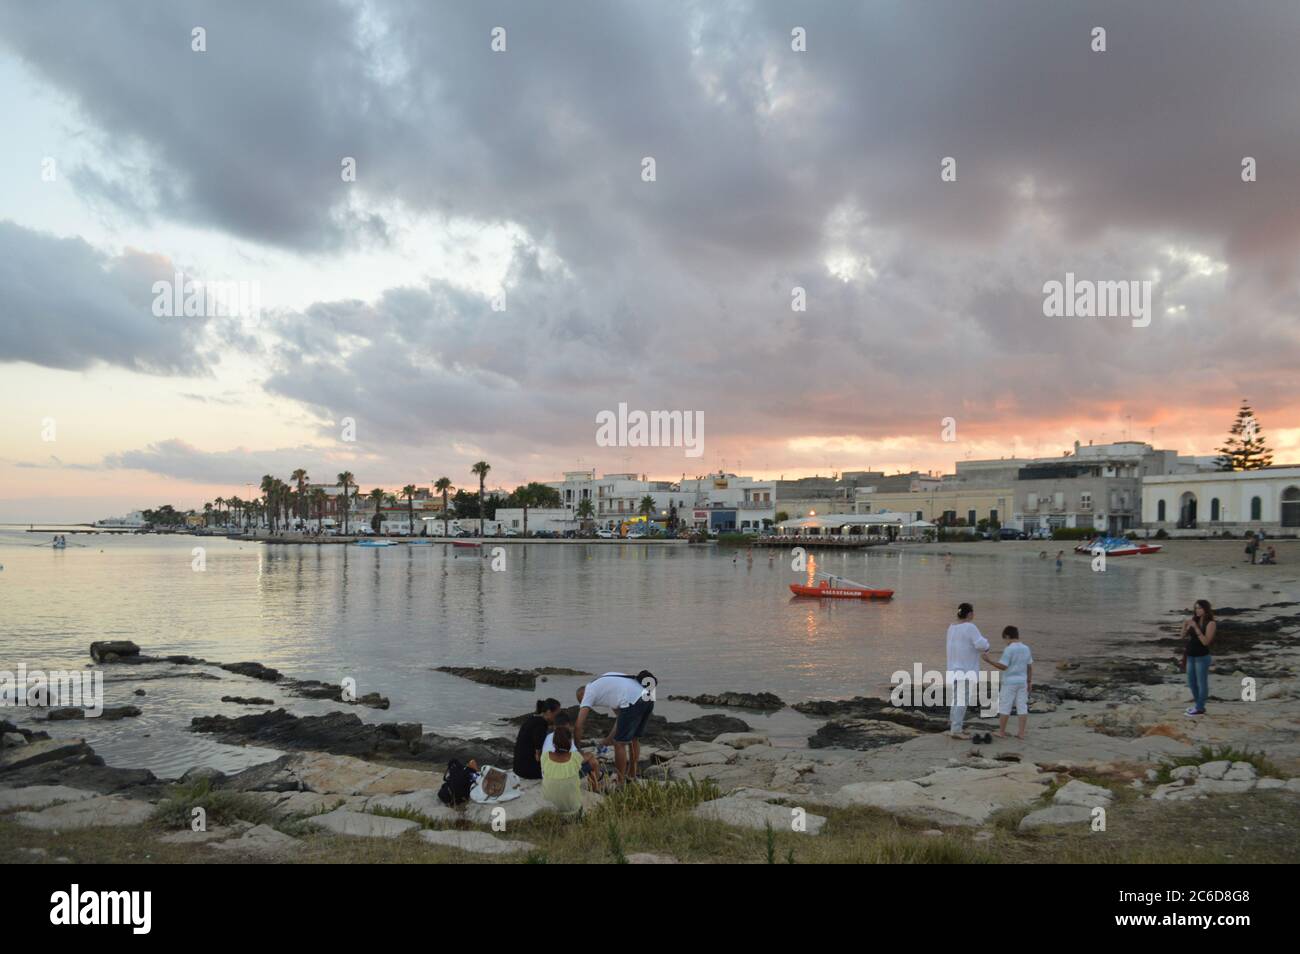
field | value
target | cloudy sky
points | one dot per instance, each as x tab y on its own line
516	178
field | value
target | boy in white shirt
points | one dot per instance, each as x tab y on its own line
1017	665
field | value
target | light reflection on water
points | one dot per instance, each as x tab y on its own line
703	619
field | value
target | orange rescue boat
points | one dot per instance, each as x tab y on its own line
824	590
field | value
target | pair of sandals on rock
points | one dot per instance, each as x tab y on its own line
982	738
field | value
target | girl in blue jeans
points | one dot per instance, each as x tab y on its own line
1199	632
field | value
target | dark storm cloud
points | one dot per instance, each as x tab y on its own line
65	304
677	293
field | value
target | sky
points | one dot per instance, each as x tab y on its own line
502	267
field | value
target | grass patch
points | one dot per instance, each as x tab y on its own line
176	809
648	799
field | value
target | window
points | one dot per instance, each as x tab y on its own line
1160	511
1085	501
970	518
1214	508
1256	508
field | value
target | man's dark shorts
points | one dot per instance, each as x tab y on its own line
633	720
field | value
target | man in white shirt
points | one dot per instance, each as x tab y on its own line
631	700
965	644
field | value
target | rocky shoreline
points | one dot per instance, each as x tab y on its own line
1106	728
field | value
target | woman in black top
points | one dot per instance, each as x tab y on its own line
528	745
1199	632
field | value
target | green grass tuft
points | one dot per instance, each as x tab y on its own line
176	808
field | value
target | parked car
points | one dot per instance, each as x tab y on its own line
636	534
509	532
605	534
1011	533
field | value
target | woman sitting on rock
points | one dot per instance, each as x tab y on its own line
562	774
532	734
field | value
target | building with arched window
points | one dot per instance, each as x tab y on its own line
1212	502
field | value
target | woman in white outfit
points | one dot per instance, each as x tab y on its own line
965	644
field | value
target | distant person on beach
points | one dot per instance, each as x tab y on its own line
1252	547
531	738
1060	555
1269	558
965	643
947	562
1199	632
1017	665
631	700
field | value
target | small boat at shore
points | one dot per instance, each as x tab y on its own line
1117	546
840	591
374	543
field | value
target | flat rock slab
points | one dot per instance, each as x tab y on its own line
754	813
341	821
740	740
1056	815
344	775
41	796
1075	792
424	802
259	840
475	842
959	795
528	804
102	811
187	836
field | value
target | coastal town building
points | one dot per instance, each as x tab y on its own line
1094	486
1234	501
803	496
719	501
943	504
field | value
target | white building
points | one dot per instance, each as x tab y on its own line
1267	499
718	501
552	520
134	520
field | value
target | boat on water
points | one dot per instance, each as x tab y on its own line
1117	546
374	543
840	590
59	543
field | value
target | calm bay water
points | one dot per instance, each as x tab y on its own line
702	618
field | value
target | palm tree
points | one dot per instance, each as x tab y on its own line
443	485
268	493
585	509
377	495
481	471
318	498
646	508
345	480
409	493
299	477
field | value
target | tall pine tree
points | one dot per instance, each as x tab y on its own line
1245	449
